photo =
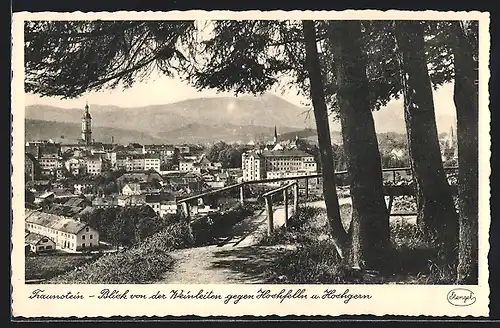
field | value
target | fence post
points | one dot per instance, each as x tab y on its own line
242	195
296	197
285	202
306	190
185	207
270	222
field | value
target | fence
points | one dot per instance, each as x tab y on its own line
391	191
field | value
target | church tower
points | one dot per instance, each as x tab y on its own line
87	126
275	135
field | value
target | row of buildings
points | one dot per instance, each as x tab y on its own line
48	160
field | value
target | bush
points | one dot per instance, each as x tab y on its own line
143	263
313	263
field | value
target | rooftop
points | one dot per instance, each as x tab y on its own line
55	222
34	238
160	197
280	153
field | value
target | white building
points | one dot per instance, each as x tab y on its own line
68	234
162	204
94	165
38	243
189	166
131	189
152	161
259	165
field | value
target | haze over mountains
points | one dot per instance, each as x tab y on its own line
229	119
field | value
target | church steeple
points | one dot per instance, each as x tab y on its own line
275	135
87	126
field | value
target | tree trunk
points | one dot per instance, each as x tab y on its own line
369	229
437	217
338	233
466	103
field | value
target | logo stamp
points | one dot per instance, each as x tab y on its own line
461	297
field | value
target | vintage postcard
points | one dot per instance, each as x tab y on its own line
226	163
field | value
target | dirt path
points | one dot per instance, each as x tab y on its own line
235	260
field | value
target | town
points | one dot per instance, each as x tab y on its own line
67	183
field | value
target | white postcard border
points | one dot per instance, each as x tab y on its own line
408	300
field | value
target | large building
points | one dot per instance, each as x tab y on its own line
259	165
68	234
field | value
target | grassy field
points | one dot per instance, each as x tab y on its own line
314	258
49	266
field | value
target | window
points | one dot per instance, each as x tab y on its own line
83	237
48	247
91	236
87	229
83	245
90	245
45	240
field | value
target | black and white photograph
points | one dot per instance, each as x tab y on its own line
256	151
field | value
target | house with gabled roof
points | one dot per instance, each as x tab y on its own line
162	203
68	234
37	243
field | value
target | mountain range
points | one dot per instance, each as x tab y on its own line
201	120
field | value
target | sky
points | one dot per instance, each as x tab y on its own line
156	91
159	90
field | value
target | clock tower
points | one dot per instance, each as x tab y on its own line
87	126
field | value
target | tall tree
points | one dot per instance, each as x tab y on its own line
437	216
326	155
68	58
369	229
466	103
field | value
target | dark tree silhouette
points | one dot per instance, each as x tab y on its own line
436	217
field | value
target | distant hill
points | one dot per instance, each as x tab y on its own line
267	111
311	135
230	119
203	133
69	133
191	133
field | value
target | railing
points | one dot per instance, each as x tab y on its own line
268	195
269	203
